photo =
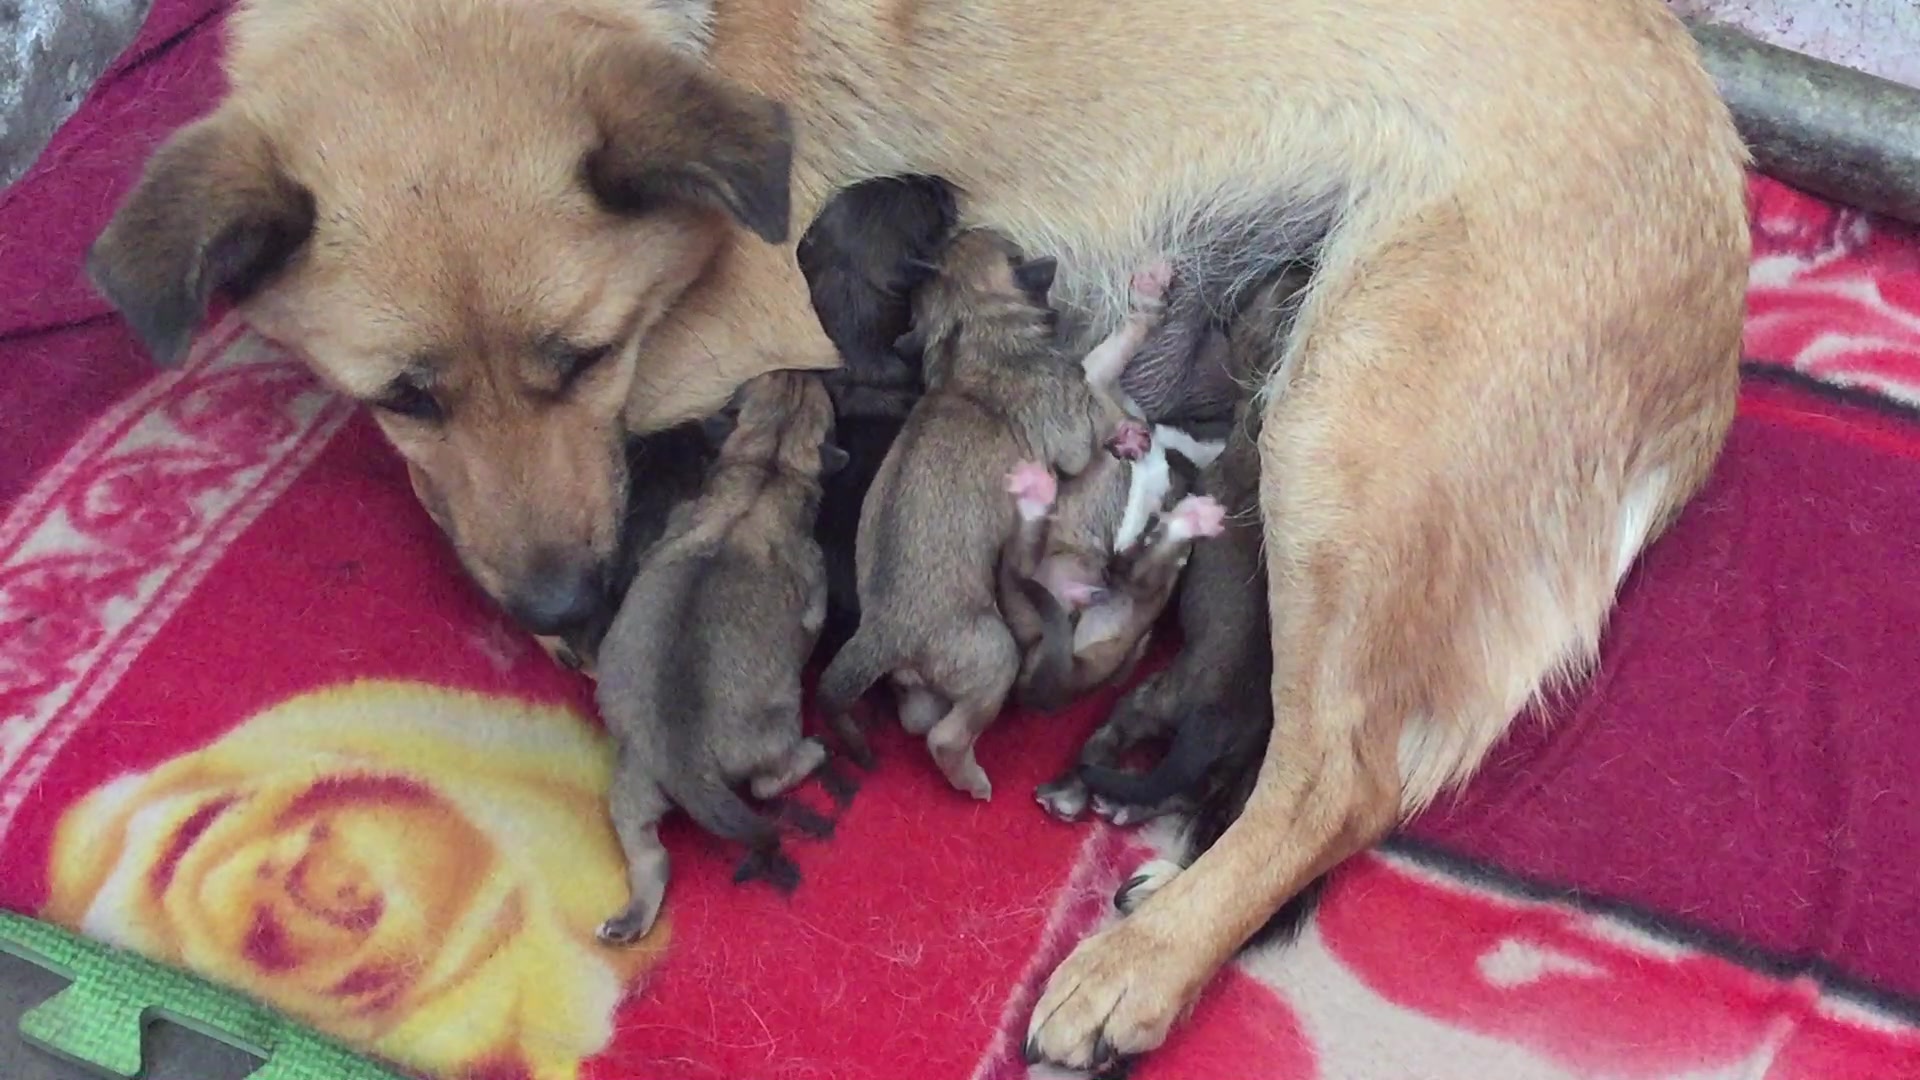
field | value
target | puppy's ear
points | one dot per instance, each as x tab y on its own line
911	347
832	459
1035	276
213	213
673	132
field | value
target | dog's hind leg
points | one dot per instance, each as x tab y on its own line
920	708
788	768
1425	579
978	672
635	804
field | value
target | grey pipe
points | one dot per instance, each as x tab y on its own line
1830	130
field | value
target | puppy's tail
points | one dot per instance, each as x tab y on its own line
1200	743
713	805
855	668
1046	677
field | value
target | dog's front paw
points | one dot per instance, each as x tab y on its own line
1116	996
1147	289
1196	517
1033	489
1064	798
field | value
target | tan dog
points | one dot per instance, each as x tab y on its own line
1000	391
526	225
700	672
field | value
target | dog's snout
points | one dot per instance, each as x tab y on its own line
558	597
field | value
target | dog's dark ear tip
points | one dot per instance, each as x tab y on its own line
1036	275
832	459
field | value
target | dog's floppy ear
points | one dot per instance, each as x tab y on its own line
1035	276
213	213
911	347
674	132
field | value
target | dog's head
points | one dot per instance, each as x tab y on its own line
468	216
981	277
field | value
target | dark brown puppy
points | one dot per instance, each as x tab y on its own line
871	246
1000	391
700	672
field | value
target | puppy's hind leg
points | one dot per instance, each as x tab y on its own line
1148	711
788	769
636	804
978	671
920	708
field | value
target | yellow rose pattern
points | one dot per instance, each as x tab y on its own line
415	870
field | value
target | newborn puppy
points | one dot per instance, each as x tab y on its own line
700	672
999	392
1215	690
863	256
1076	656
869	248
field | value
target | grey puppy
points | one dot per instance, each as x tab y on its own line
700	671
1000	391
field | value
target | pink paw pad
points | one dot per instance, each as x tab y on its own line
1033	487
1149	284
1080	595
1198	516
1130	441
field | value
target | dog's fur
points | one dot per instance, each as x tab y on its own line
871	246
700	673
1000	391
1517	361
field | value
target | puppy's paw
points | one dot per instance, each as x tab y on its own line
1119	813
1196	517
1033	488
626	928
1064	798
1147	289
1149	879
1080	595
1130	441
1115	997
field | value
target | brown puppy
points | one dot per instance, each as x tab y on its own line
527	228
1000	391
1076	656
700	672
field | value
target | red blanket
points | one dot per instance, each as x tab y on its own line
253	722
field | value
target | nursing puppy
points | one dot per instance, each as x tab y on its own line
1000	391
700	672
871	246
1076	655
1212	695
527	230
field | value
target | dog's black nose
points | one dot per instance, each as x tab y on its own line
558	600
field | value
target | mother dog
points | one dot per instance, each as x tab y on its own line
520	229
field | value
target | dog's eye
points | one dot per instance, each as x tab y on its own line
410	400
581	361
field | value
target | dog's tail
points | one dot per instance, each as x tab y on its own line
1046	676
859	664
1201	742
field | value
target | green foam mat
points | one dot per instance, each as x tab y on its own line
100	1019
